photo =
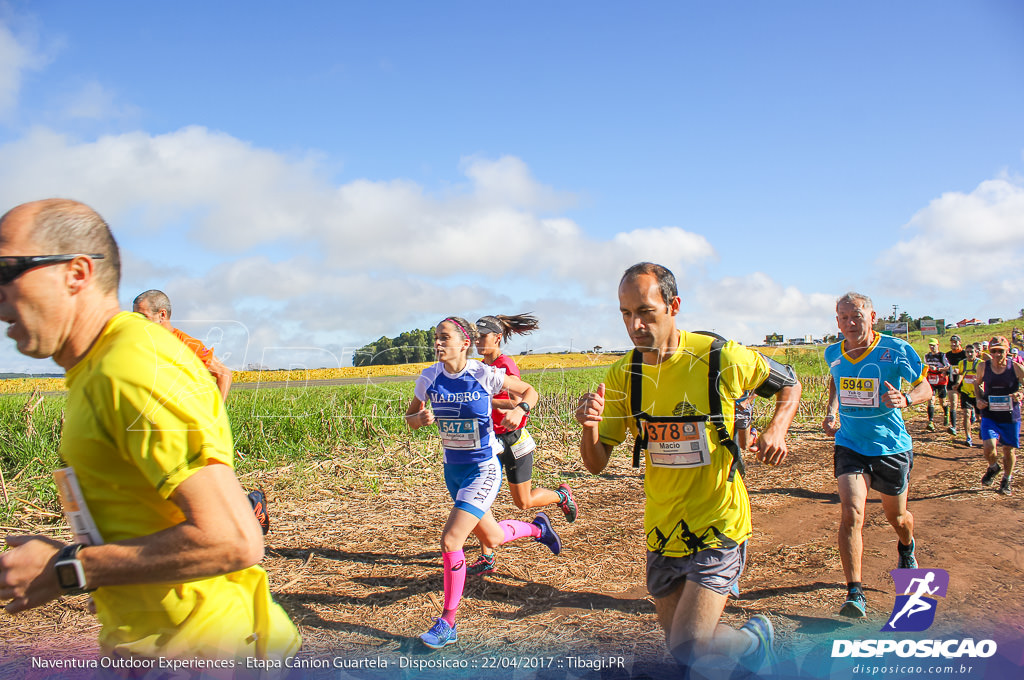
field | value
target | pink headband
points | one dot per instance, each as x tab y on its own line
464	332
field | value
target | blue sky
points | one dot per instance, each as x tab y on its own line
303	179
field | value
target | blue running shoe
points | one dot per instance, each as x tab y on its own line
440	635
855	607
760	626
735	591
907	559
547	533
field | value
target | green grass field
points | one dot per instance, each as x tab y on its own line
273	428
362	424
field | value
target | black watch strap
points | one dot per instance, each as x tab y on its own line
70	575
526	407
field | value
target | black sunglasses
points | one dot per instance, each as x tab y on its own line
13	266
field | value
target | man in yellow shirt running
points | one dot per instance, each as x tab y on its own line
173	572
697	514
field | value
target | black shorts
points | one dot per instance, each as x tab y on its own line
518	470
890	474
939	391
967	402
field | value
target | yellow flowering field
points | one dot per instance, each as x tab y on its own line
528	362
327	373
22	385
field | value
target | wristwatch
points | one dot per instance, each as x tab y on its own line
526	407
70	575
906	397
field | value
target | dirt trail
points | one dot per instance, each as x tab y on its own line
360	571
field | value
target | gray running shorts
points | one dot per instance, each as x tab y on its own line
716	569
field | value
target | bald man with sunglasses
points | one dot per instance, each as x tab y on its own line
172	562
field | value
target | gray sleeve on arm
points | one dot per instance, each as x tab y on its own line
779	376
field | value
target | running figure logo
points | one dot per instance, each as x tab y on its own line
914	611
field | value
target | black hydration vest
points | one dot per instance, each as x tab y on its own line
716	416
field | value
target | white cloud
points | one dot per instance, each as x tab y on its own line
17	55
237	191
238	197
96	102
368	258
748	307
958	237
508	181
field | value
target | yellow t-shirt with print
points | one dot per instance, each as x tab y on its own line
143	414
968	371
688	508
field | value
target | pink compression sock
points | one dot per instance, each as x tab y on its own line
514	529
454	583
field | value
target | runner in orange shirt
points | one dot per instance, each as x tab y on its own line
156	306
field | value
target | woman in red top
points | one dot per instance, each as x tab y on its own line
518	446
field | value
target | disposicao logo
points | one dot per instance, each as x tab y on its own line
914	610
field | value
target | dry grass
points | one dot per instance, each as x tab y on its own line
354	556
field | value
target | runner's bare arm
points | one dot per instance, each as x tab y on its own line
27	575
418	415
222	374
770	446
521	391
1019	370
219	535
893	398
979	387
831	422
589	413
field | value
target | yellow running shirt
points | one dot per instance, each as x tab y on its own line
691	505
968	371
142	416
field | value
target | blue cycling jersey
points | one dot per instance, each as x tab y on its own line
461	403
865	424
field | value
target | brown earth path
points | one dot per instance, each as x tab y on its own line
359	569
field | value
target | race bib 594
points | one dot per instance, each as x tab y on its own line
858	391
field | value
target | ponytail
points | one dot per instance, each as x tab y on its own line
507	326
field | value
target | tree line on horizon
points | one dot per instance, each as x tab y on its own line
410	347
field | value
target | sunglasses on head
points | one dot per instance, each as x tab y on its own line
13	266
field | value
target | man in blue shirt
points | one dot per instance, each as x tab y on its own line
873	449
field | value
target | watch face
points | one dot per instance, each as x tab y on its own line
67	575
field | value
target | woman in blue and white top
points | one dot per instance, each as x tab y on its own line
459	392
